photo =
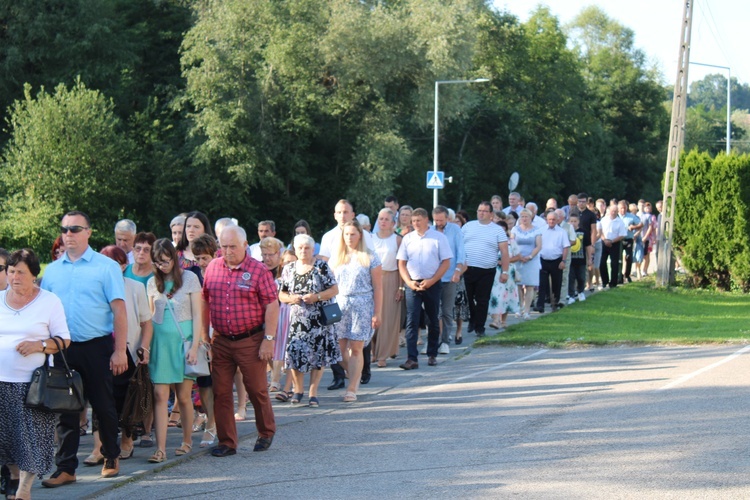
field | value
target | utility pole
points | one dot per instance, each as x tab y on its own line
665	264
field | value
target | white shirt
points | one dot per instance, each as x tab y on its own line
612	228
538	222
254	252
330	239
137	311
41	319
481	242
386	250
424	254
554	242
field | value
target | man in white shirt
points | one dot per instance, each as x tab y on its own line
555	246
612	232
513	203
266	229
537	221
482	242
125	236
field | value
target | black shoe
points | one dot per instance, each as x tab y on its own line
480	334
338	383
365	378
432	361
540	310
471	328
224	451
630	280
262	444
458	341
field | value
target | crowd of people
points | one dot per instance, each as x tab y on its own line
262	311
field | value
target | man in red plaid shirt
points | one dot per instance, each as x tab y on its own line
241	302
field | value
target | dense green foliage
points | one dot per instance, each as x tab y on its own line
275	109
712	220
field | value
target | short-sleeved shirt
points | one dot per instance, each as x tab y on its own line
613	228
138	311
481	243
586	219
237	297
140	279
630	220
554	241
41	319
353	278
456	240
86	288
424	254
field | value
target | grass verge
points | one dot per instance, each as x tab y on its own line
638	313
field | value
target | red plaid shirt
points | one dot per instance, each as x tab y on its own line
237	298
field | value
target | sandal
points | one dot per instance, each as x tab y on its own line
201	422
240	415
297	398
314	403
158	457
93	460
381	363
274	388
12	488
350	397
84	429
147	441
184	449
284	397
174	423
208	442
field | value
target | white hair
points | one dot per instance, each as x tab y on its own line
178	220
363	220
451	215
389	212
304	239
125	226
241	233
222	223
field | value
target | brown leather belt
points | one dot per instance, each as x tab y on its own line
243	335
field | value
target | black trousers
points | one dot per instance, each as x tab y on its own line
550	271
91	360
577	277
613	254
627	247
478	283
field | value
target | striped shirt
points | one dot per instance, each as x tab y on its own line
481	242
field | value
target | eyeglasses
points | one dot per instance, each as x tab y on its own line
139	249
163	263
72	229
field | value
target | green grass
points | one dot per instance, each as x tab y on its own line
638	313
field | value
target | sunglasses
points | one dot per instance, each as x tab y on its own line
72	229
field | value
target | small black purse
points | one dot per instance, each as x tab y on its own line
330	313
54	388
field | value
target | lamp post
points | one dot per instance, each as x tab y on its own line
729	99
435	162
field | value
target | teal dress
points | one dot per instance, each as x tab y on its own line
167	359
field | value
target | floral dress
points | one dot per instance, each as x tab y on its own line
504	296
311	344
356	299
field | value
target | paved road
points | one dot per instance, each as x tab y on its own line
646	422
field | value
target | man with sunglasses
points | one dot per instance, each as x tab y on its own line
92	291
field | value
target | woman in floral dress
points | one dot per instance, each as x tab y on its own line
504	296
311	345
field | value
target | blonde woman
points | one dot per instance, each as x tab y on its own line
359	276
386	241
529	241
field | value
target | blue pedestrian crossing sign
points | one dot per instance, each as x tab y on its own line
435	180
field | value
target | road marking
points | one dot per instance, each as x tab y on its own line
688	376
477	374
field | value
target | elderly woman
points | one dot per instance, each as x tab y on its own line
359	276
529	241
302	227
140	331
29	316
270	251
306	285
196	224
176	227
386	242
175	300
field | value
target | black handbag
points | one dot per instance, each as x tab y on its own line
56	389
330	313
139	398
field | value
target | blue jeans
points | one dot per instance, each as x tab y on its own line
430	298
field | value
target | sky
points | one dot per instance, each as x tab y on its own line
718	37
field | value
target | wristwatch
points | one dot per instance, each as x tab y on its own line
270	337
44	345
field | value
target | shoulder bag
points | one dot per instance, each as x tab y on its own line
200	368
330	312
56	389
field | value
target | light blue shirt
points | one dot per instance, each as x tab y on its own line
424	254
630	219
456	241
86	288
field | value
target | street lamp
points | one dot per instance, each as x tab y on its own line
729	99
435	163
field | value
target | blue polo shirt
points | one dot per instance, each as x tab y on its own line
86	288
456	241
629	219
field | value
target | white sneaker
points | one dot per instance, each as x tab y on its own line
423	350
444	349
581	297
571	300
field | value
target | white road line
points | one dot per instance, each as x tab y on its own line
688	376
475	374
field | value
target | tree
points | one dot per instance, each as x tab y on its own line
67	151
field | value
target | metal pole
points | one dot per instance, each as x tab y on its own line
435	151
729	101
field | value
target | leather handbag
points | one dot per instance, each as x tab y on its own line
139	398
330	313
56	389
201	368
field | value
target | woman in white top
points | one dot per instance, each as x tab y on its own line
386	241
29	316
